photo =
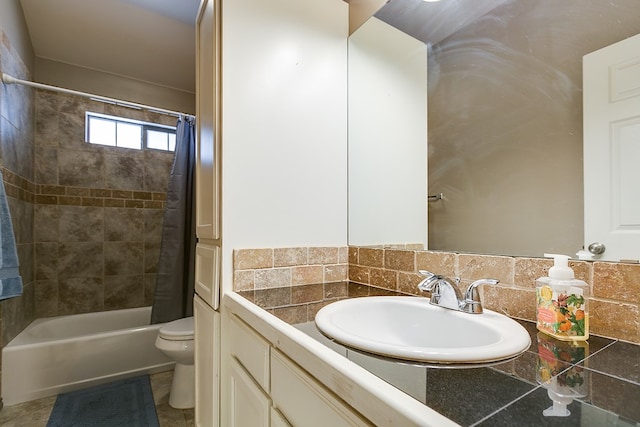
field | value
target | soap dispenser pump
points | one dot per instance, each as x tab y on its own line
562	302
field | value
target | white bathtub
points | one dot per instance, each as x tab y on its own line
59	354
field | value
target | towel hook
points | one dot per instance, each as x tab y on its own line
435	198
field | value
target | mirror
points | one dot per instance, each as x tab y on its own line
504	121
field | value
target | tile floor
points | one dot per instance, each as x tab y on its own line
36	413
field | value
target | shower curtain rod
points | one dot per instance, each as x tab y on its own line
7	79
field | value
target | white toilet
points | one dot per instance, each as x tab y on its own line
175	339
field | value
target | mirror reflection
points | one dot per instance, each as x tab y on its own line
505	128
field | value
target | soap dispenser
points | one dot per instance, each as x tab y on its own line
562	302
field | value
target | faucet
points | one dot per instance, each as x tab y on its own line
445	292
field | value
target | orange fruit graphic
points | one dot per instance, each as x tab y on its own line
565	326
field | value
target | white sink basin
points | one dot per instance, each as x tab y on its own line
411	328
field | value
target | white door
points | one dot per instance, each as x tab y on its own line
612	149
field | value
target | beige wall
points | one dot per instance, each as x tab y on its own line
113	86
15	31
505	125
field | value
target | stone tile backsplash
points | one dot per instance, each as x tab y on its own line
293	284
273	268
615	287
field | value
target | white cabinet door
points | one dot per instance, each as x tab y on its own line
207	274
612	149
207	141
249	406
207	364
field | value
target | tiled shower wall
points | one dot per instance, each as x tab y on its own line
98	211
17	153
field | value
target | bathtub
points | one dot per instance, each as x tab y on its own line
59	354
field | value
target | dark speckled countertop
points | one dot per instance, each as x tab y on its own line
602	376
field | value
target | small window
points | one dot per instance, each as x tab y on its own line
127	133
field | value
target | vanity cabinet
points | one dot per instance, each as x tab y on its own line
265	387
289	378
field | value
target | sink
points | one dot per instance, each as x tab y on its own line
410	328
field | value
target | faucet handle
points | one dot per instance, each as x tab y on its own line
430	279
472	302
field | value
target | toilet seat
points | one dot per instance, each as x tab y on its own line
178	330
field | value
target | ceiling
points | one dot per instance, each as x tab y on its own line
432	22
148	40
154	40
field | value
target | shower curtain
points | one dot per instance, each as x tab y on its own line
175	279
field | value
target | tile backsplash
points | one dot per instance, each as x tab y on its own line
281	274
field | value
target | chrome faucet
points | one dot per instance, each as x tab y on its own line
445	292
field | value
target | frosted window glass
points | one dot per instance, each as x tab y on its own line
156	140
129	135
102	132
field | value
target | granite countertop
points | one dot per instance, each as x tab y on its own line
602	375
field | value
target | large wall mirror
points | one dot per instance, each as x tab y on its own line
503	110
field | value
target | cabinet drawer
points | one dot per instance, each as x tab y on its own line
251	350
304	401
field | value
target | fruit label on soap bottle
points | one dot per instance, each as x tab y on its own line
561	314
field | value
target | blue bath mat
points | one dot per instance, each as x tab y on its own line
126	402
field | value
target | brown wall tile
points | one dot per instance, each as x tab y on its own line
514	302
527	270
289	256
474	267
336	273
244	259
408	283
615	320
443	263
371	257
353	254
323	255
617	281
273	278
359	274
243	280
387	279
400	260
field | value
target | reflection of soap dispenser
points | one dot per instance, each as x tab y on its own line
561	370
562	302
559	408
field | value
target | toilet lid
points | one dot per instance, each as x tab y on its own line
178	330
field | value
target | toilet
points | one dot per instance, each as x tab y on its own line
175	340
